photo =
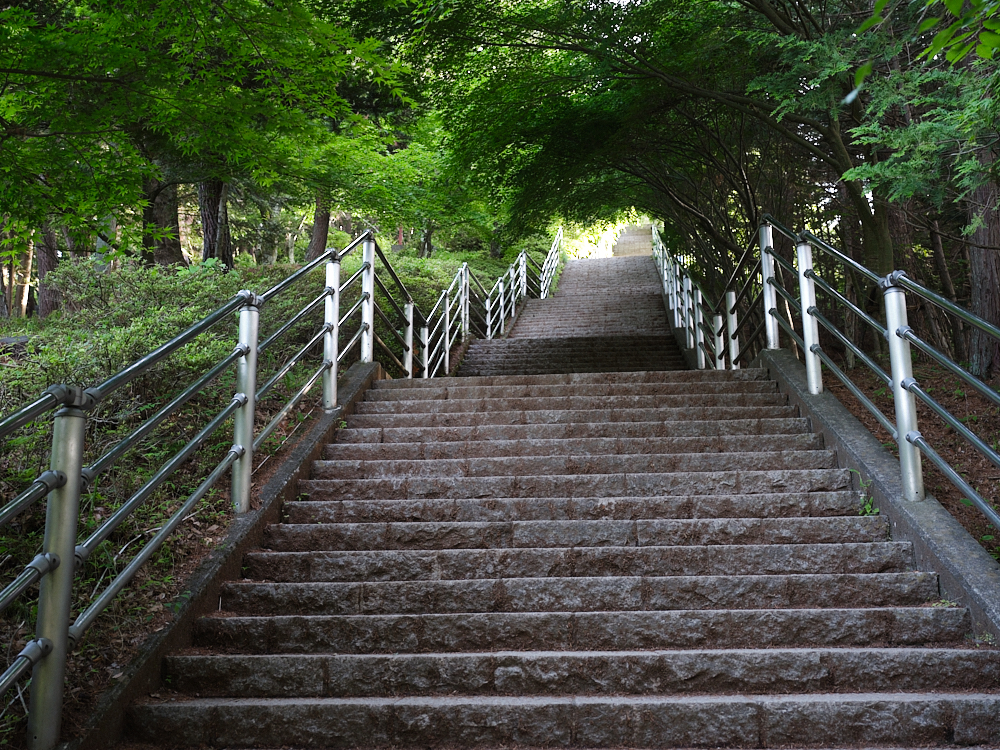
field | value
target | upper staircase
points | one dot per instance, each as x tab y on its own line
626	557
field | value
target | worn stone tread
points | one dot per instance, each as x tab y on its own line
436	391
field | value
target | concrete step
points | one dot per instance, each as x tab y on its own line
534	534
557	390
591	378
562	416
714	560
698	671
580	594
358	451
580	485
576	431
765	505
493	466
691	401
583	631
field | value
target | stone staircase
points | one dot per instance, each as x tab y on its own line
621	559
607	315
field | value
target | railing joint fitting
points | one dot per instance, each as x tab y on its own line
913	436
250	299
908	383
891	280
239	450
44	563
80	554
903	330
241	399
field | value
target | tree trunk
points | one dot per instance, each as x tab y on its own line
21	290
48	258
496	249
216	241
984	277
320	230
426	241
168	251
948	287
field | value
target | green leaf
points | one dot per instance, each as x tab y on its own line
879	7
987	537
954	7
930	23
967	501
989	39
985	52
873	21
862	73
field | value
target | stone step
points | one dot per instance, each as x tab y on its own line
766	505
504	466
429	565
562	416
579	594
692	402
538	367
576	431
296	537
581	485
548	391
698	671
587	631
358	451
661	376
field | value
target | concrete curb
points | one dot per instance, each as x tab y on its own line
968	575
106	725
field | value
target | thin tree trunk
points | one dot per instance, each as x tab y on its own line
216	240
984	278
48	258
948	286
166	214
21	291
320	230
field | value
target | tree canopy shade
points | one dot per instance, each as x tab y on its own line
104	102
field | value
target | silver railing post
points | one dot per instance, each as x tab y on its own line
246	383
331	339
523	263
408	339
901	370
699	331
768	294
720	342
675	307
810	326
688	312
465	302
503	306
446	341
56	589
368	306
732	324
489	317
424	336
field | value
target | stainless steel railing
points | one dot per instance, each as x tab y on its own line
780	298
383	317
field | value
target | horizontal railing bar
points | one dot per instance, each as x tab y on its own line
84	550
478	283
744	291
354	308
33	572
385	293
392	274
30	655
954	477
44	403
87	617
941	359
751	341
436	305
388	323
42	486
273	424
747	254
140	366
788	329
829	249
858	393
811	274
354	277
350	344
388	351
782	262
294	360
972	319
786	295
294	319
953	422
710	353
108	459
327	255
749	316
871	363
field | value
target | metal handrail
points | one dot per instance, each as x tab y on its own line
64	483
